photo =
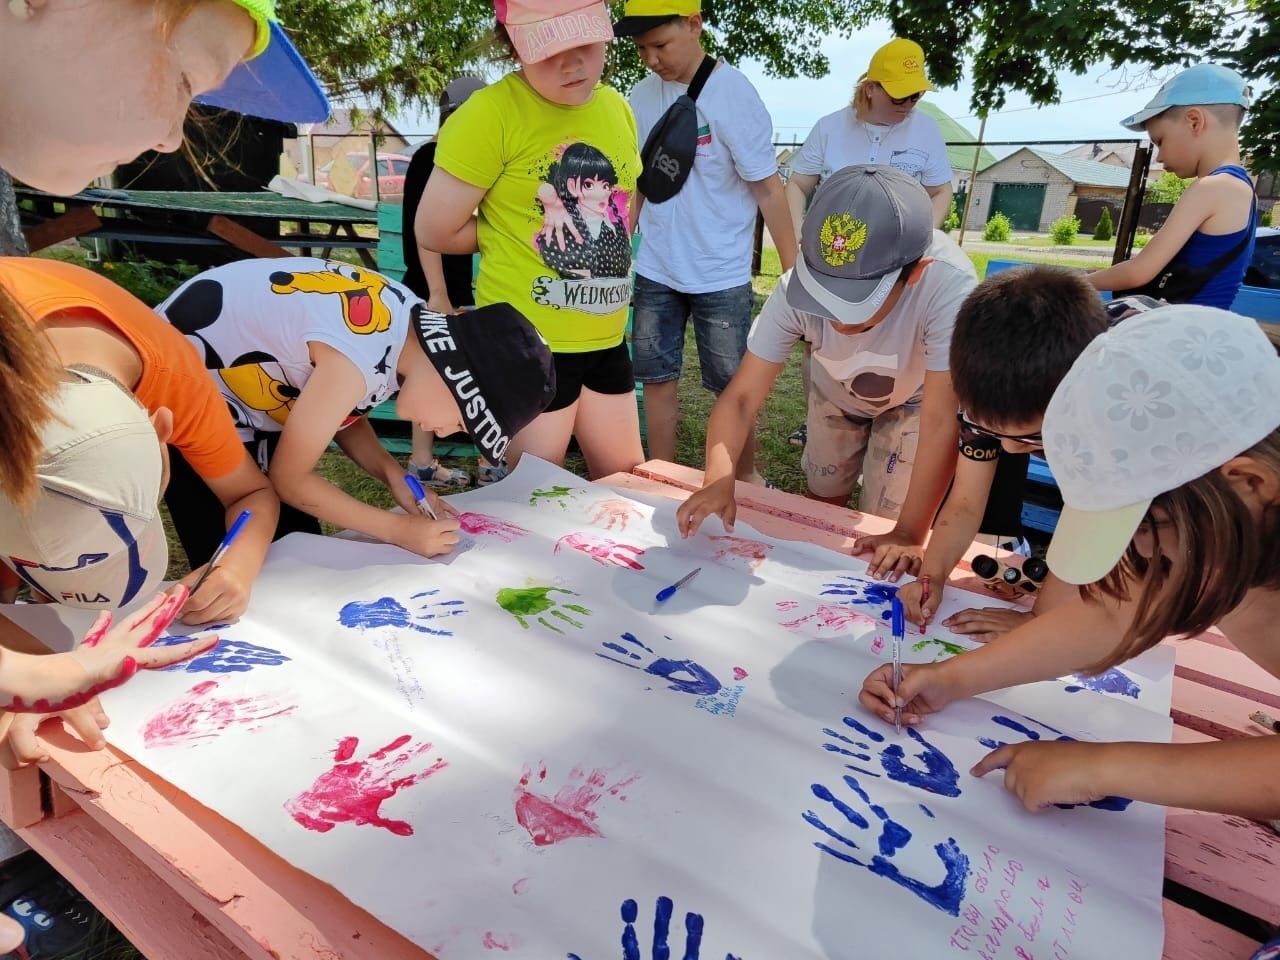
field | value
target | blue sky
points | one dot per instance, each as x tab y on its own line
1092	106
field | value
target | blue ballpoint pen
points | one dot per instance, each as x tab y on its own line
899	622
666	593
227	540
415	488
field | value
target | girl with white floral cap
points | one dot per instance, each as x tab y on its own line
1165	440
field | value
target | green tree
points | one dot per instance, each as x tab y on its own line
1168	187
1105	229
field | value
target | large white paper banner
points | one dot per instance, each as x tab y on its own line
519	752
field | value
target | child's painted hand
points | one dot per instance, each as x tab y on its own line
1043	773
107	657
926	688
224	596
419	534
918	610
893	554
20	745
983	625
716	498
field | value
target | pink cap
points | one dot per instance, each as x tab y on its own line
542	28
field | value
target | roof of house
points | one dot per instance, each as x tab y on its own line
1091	173
1123	150
961	158
340	124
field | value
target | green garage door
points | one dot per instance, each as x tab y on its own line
1022	203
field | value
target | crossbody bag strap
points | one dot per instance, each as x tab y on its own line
700	78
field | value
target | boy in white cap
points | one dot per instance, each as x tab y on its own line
1165	439
695	256
1202	251
875	291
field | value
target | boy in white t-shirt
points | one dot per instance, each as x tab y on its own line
695	253
875	293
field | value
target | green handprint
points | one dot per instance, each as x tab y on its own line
946	646
555	494
522	602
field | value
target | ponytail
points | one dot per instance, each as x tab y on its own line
28	380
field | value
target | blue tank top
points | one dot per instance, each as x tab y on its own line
1202	248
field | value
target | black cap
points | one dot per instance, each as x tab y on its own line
634	26
497	366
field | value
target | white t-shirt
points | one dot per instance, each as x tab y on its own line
699	241
251	322
868	373
915	146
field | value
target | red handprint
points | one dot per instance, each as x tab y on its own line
353	791
741	549
614	511
827	618
602	550
481	524
201	716
570	812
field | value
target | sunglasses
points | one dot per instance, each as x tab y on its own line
1027	440
899	101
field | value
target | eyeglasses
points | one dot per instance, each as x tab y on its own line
899	101
1027	440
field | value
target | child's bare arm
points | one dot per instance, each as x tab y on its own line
935	456
446	221
1193	209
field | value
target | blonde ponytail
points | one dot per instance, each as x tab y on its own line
28	379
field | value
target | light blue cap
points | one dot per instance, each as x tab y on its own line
277	84
1197	86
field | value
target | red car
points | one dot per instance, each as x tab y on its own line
391	170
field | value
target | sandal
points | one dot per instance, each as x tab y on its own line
490	473
800	436
439	477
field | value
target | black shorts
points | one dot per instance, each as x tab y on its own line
604	371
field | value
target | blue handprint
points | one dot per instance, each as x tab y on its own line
1114	804
388	612
661	949
228	656
937	773
1110	681
696	679
861	592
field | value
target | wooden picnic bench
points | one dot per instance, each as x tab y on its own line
185	884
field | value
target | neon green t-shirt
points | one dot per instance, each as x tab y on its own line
573	285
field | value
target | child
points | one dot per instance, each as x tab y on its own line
506	153
694	264
445	283
1202	251
1015	337
132	378
1165	439
875	290
302	349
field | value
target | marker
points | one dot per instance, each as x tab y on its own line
222	548
415	488
666	593
925	582
1264	719
899	621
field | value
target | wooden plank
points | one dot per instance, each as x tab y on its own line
265	907
1218	713
73	223
1190	936
20	804
154	918
1230	859
1226	669
242	238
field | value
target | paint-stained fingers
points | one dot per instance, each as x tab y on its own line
156	658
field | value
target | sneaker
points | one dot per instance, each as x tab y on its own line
439	477
490	473
800	436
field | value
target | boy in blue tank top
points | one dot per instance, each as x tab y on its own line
1201	253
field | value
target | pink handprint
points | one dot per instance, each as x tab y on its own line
613	512
201	715
740	549
602	550
829	618
353	791
481	524
570	812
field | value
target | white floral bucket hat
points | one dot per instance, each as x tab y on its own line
1160	399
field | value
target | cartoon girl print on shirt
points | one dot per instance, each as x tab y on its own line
585	181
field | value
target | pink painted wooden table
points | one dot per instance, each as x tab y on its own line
185	884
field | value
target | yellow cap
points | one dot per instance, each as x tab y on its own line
662	8
898	66
263	12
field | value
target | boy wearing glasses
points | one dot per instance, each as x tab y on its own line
1015	338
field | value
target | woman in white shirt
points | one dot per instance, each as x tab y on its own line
880	125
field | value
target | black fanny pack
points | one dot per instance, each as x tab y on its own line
672	144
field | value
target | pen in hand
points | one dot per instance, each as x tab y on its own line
420	495
227	540
899	632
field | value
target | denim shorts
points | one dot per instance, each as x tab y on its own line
721	322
